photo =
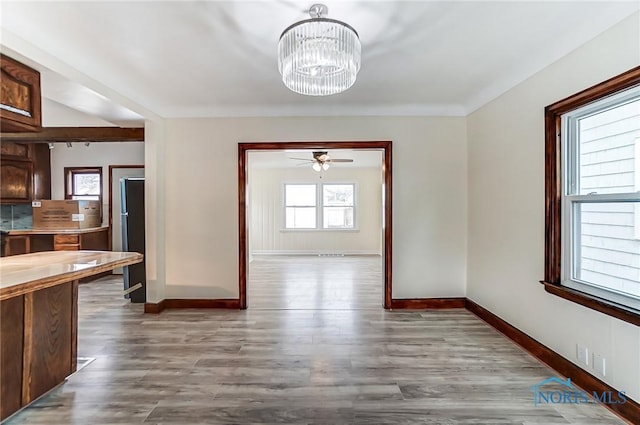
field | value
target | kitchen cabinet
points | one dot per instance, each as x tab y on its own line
20	97
30	241
16	181
39	319
16	245
25	172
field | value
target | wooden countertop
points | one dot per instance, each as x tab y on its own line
20	232
21	274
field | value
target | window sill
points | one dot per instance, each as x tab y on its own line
609	308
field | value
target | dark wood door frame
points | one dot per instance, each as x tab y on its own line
111	167
244	148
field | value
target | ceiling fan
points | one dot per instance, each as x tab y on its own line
321	160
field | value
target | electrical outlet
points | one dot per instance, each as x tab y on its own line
600	364
582	354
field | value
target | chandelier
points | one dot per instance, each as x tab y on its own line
319	56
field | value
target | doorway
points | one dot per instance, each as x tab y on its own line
243	170
116	172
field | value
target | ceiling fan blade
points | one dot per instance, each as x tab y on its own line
304	159
340	160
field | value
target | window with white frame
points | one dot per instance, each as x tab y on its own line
601	198
300	202
319	206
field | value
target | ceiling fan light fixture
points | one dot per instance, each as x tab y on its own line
316	166
325	166
319	56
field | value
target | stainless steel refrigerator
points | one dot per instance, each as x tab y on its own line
133	236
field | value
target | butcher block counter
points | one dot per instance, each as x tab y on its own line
39	319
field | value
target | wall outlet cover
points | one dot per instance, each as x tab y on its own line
582	354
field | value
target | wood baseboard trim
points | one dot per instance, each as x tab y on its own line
170	303
154	308
629	411
427	303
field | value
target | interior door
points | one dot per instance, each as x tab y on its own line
116	231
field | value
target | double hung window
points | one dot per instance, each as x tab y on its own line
319	206
593	197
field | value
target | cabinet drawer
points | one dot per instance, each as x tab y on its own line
66	239
66	247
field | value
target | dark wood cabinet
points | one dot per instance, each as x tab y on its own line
17	151
20	100
11	342
27	241
16	181
16	245
25	172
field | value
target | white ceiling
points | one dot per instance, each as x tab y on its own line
218	58
286	158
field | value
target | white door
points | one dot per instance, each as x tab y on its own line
116	229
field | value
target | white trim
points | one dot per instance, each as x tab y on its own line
572	199
319	206
289	110
605	293
636	171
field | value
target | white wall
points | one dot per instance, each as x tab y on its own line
429	198
506	210
55	114
101	155
266	213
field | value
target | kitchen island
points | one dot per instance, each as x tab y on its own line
39	319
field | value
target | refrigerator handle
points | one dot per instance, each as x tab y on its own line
125	231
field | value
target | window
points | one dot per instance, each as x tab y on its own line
83	183
593	196
337	205
324	206
300	206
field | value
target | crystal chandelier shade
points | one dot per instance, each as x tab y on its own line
319	56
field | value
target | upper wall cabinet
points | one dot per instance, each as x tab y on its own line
20	101
25	172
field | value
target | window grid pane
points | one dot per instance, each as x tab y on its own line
606	149
337	217
300	195
86	184
606	252
300	218
337	195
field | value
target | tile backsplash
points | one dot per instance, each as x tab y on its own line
17	216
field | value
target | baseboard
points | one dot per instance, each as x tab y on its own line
427	303
154	308
169	303
629	410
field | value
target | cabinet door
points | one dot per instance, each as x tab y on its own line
16	181
11	343
16	245
19	151
20	97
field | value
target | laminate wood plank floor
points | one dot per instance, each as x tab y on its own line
315	282
311	365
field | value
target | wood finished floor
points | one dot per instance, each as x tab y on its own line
312	365
315	282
